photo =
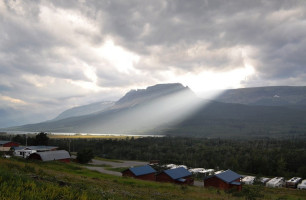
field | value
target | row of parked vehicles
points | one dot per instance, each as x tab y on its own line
295	182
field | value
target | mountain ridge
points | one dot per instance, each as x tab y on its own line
175	110
271	96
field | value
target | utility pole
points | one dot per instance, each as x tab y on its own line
69	141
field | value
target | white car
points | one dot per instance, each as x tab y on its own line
302	186
6	156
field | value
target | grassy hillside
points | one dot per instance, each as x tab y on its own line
20	179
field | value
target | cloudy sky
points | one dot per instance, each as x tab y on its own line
58	54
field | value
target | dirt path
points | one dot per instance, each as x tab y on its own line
102	170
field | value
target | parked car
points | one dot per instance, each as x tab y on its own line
6	156
302	186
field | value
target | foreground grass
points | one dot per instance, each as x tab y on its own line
20	179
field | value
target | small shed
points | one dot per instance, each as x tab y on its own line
178	175
60	155
225	180
142	172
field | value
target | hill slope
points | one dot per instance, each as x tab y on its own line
268	96
137	112
53	180
85	110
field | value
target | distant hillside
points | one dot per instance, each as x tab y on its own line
268	96
85	110
138	111
237	120
12	117
173	109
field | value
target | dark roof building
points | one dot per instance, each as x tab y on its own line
225	180
178	175
143	172
60	155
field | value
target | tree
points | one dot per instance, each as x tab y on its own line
41	139
19	139
85	155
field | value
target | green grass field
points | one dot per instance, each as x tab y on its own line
20	179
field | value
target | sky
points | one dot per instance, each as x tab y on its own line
55	55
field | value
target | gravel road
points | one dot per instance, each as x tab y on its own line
102	170
122	163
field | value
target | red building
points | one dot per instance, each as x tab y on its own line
178	175
143	172
60	155
8	144
225	180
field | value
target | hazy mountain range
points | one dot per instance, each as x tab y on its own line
175	110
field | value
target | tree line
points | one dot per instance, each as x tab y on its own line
261	157
265	157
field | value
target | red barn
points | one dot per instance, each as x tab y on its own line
178	175
143	172
8	144
60	155
225	180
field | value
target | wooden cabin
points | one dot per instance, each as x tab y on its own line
178	175
143	172
225	181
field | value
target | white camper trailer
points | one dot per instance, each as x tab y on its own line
293	182
276	182
264	180
302	186
248	180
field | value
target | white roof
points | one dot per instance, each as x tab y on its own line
53	155
196	170
218	172
302	185
174	166
248	178
275	181
294	180
207	171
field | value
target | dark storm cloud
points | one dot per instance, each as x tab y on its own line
58	49
274	29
